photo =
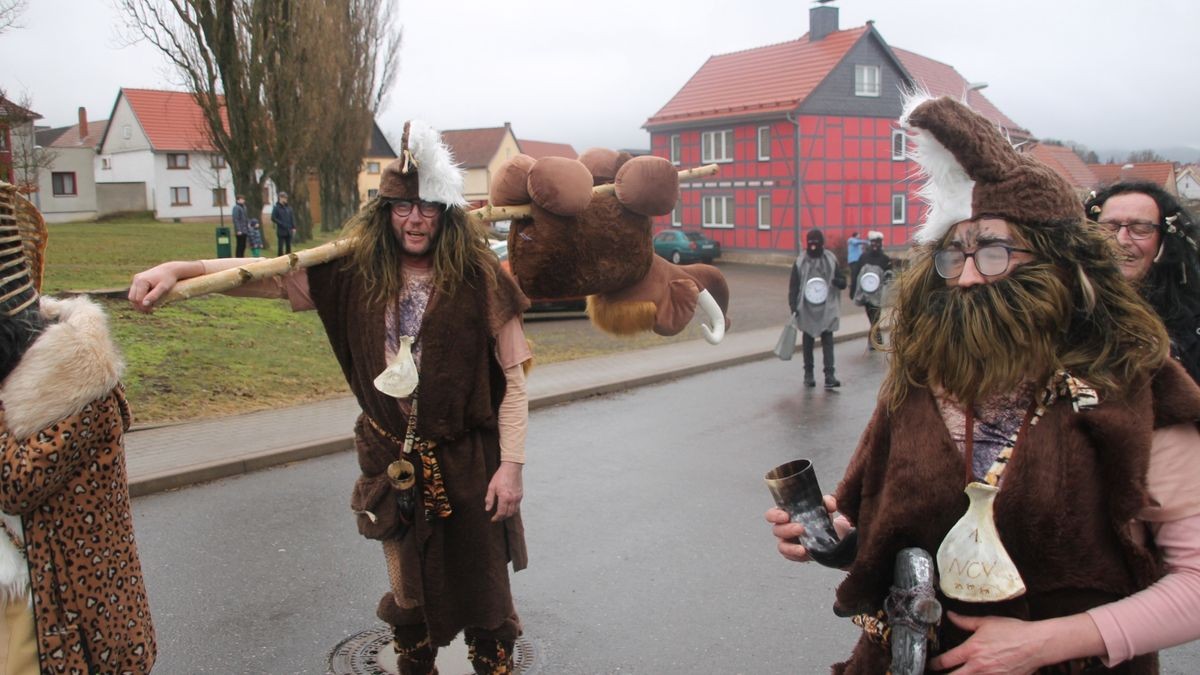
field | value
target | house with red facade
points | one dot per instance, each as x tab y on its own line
805	136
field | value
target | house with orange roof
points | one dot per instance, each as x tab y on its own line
1067	164
805	135
156	155
540	149
1161	174
67	183
480	152
379	153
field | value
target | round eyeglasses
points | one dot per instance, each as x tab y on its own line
1137	229
403	207
990	260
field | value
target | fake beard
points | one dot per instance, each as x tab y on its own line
986	339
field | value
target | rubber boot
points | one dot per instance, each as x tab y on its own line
415	654
490	656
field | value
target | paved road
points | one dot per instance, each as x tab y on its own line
649	554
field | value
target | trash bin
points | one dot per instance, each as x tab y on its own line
224	248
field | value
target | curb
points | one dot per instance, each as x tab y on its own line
192	475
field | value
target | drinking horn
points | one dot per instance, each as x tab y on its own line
912	611
795	490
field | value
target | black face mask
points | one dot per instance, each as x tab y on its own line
816	246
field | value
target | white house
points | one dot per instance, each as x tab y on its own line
1188	182
156	145
67	179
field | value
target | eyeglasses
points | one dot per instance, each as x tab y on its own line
990	260
1138	229
403	207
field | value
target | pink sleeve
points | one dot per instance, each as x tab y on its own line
292	286
511	346
1168	612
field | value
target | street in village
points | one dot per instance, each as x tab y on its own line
644	519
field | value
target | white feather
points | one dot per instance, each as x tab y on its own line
945	186
439	178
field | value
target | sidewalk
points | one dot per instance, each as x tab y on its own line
172	456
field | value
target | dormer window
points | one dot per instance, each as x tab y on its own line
866	80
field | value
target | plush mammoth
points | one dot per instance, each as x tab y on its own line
577	242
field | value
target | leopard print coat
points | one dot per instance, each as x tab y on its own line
62	472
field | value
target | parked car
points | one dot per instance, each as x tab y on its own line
680	247
576	304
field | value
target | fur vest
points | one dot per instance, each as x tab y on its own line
1065	511
63	480
461	578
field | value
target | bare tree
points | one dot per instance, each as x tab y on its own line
1144	156
355	79
10	11
212	47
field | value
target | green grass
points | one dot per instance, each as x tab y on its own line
201	358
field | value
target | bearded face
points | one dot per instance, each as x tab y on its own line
977	339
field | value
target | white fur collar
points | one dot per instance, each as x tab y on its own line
72	363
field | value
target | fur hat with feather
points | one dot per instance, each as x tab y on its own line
970	170
424	170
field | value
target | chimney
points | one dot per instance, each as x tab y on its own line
822	20
83	130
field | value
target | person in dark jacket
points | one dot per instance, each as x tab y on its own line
1158	240
285	223
813	296
241	225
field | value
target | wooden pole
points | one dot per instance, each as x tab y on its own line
227	280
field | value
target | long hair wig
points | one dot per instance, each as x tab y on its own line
460	251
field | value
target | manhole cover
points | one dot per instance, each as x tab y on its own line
370	653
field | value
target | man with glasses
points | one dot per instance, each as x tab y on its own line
1157	241
1024	366
428	330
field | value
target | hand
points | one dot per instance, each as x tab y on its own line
504	491
788	532
998	645
148	286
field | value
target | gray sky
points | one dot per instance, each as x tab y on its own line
1111	74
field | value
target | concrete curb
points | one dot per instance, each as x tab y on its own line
170	479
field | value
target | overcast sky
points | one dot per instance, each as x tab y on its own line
1111	74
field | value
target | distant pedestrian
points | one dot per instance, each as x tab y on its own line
854	251
813	298
254	233
241	225
285	223
874	271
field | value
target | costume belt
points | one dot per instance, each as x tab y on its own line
400	472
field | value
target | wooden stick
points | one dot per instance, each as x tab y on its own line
229	279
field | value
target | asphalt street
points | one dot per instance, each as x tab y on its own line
644	519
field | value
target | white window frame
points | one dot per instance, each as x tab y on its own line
126	132
677	214
710	153
676	149
714	206
866	80
185	192
764	149
899	201
899	143
764	212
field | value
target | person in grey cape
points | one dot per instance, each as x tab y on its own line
813	296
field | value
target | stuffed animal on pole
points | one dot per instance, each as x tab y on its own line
576	242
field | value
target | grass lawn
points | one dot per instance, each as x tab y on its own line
201	358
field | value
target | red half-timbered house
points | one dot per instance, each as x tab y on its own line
805	135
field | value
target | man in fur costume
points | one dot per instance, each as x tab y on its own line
1026	369
813	296
71	588
428	330
1158	239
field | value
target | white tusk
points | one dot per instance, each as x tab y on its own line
715	334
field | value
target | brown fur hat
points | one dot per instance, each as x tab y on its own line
971	170
424	170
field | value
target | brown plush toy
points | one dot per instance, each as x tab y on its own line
580	243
